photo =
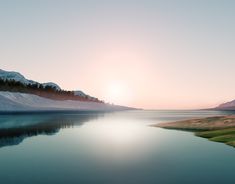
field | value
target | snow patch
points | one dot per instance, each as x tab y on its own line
11	101
10	75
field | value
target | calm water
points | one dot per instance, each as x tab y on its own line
111	148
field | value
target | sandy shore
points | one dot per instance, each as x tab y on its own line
218	129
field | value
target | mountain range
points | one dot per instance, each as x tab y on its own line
20	94
16	76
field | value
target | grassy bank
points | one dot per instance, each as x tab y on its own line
218	129
226	136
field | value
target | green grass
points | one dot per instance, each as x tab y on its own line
226	136
217	129
215	133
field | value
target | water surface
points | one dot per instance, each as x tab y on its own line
109	148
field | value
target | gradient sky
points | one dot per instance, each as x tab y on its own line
152	54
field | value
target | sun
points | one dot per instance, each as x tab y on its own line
117	93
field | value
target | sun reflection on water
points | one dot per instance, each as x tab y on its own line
117	139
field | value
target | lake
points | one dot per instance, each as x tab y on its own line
109	148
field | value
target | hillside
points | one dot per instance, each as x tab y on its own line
20	94
16	82
227	106
15	101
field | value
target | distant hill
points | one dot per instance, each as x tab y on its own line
227	106
15	82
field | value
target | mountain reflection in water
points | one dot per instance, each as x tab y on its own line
15	128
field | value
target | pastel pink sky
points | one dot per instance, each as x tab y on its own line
149	54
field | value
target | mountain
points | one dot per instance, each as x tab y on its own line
16	82
82	94
19	94
79	93
51	84
227	106
16	76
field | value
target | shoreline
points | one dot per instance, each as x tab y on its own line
217	128
80	111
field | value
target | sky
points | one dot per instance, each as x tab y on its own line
153	54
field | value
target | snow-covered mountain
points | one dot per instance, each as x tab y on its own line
82	94
11	101
79	93
10	75
52	84
16	76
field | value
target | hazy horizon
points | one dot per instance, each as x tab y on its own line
166	54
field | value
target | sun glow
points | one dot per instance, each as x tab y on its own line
118	135
118	93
